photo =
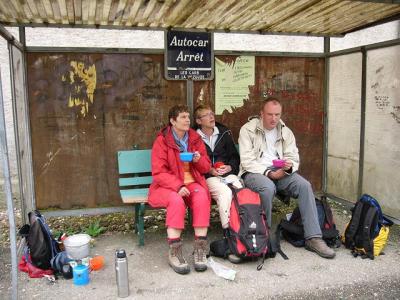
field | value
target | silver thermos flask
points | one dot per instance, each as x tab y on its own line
121	273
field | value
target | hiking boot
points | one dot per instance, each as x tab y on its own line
176	259
233	258
199	255
319	246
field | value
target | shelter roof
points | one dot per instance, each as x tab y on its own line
315	17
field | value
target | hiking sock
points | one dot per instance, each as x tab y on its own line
173	240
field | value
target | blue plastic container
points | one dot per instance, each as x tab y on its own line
80	275
186	156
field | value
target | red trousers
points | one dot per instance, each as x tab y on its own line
198	201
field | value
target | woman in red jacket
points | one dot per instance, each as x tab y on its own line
177	185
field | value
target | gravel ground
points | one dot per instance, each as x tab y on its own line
304	276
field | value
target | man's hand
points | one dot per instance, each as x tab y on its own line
184	192
196	156
288	165
276	175
224	169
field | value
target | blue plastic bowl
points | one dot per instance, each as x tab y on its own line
186	156
80	274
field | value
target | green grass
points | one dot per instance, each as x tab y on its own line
94	229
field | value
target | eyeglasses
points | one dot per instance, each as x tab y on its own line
210	114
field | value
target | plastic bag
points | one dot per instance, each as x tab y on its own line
221	270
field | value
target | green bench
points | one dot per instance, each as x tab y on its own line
134	168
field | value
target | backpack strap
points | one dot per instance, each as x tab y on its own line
386	221
352	228
277	243
52	242
259	267
371	219
234	193
274	247
328	211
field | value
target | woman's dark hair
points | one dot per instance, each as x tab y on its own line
176	110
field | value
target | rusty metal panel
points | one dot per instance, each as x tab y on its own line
298	82
83	109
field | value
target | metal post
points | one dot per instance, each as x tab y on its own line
8	193
15	121
22	38
189	95
362	120
30	202
327	47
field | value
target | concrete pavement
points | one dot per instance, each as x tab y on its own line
304	276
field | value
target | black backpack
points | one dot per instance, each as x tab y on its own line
365	226
41	246
293	231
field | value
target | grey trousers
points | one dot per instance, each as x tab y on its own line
294	186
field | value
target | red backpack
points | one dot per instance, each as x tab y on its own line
248	232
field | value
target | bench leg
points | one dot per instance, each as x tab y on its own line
190	217
141	224
136	218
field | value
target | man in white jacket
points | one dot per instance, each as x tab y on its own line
265	140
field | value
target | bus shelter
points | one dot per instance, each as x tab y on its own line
74	107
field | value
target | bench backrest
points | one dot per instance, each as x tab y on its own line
134	167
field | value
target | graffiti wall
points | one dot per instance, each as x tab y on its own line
298	82
86	107
83	109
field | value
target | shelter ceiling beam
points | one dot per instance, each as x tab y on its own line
10	38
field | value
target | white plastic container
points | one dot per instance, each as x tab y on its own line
77	246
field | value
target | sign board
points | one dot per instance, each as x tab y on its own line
189	55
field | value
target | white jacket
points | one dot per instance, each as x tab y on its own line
252	143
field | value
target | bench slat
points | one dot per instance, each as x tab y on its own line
137	161
134	195
135	192
135	181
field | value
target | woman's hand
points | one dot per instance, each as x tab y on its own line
224	169
214	172
196	156
184	192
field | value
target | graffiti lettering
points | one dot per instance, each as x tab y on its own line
83	84
382	102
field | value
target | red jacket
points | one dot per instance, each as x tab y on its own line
167	168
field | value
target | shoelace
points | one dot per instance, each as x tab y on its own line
200	252
177	252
